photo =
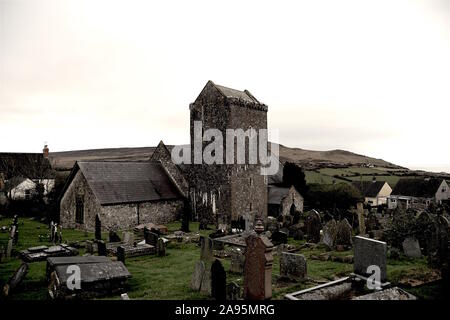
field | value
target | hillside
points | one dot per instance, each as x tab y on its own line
332	158
307	158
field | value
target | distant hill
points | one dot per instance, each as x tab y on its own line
307	158
331	158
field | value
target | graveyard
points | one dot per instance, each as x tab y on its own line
169	277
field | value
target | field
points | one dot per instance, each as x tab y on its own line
169	277
346	175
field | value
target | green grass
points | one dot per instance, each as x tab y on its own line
169	277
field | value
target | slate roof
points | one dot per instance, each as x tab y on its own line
369	189
127	182
420	188
30	165
233	93
276	194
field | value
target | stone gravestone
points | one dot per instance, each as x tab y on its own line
121	254
293	266
206	280
329	233
369	252
237	261
89	247
128	237
9	248
98	228
313	227
160	247
197	276
206	249
258	268
233	291
101	245
218	281
151	238
113	236
361	222
344	233
411	248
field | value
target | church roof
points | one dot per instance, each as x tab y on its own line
115	182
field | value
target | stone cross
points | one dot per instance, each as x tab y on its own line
258	268
218	281
370	252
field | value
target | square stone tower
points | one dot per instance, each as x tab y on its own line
226	193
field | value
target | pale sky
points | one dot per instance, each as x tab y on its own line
372	77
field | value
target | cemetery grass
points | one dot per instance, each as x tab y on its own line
169	277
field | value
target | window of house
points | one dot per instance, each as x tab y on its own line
27	194
79	210
251	181
444	189
251	206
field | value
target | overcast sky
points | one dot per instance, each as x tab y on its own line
372	77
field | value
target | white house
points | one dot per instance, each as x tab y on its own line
20	188
419	192
375	192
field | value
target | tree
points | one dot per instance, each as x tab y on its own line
293	175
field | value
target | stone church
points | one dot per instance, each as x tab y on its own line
215	193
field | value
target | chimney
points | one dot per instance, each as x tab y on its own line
45	151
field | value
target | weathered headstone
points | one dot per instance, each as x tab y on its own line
361	222
98	228
293	266
411	248
233	291
206	249
9	248
370	252
89	246
329	233
206	280
258	268
237	261
313	227
218	281
128	237
124	296
16	279
151	238
160	247
121	254
197	276
344	233
113	236
101	245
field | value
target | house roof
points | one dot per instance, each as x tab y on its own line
369	188
276	194
14	182
30	165
126	182
421	188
